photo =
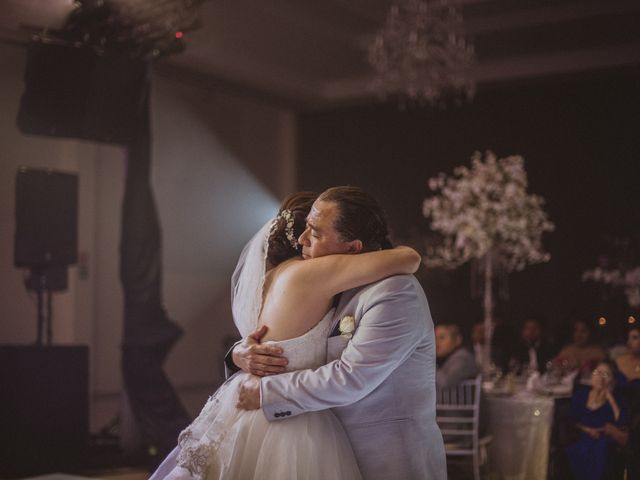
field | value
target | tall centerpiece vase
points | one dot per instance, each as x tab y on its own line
488	312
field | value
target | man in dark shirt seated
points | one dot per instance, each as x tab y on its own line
455	363
532	352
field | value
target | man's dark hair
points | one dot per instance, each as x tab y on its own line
454	329
359	217
632	327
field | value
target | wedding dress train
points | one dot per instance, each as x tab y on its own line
227	443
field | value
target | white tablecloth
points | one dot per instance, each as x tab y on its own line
521	428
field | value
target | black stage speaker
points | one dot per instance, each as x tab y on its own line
73	92
46	218
44	409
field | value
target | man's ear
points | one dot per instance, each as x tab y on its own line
355	246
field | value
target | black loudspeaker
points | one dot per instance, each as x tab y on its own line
46	218
73	92
44	409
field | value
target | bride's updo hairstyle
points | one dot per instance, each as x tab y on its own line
359	217
288	226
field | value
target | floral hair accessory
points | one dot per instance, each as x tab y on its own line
287	216
347	326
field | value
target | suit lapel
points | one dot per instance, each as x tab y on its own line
341	303
334	323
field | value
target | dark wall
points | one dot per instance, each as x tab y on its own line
580	137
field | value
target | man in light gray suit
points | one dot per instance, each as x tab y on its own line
380	379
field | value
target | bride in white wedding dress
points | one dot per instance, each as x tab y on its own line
294	298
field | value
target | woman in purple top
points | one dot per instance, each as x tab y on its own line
600	416
628	383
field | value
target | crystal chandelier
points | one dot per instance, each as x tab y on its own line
421	54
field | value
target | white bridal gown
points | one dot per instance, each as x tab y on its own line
227	443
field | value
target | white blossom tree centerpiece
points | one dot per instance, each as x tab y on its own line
484	213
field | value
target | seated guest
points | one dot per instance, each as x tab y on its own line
531	352
629	382
617	350
600	416
629	363
455	363
582	354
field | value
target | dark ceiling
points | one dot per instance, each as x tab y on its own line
310	52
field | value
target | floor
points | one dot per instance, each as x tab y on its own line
104	465
117	474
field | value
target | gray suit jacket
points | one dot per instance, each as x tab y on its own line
381	383
458	366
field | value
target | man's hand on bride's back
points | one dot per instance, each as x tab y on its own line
253	357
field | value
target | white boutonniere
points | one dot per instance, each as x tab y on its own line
347	326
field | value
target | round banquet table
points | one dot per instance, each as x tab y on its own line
520	424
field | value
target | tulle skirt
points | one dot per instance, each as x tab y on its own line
226	443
